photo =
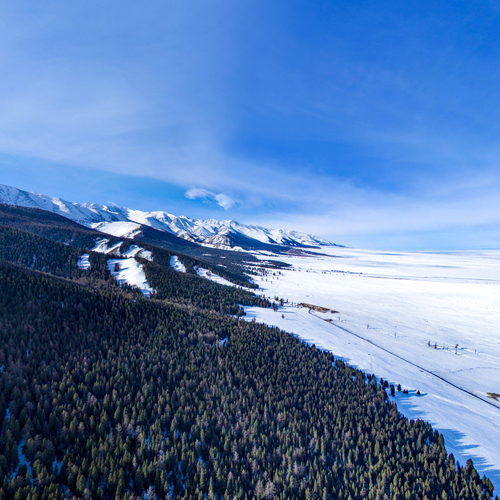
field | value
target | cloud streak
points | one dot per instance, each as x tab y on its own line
198	98
223	200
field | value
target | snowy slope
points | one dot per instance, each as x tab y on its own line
209	275
126	223
124	229
391	306
176	264
135	250
130	272
84	262
82	213
103	246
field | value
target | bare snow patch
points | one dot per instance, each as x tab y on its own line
146	254
130	272
23	461
103	246
123	229
84	262
209	275
135	250
177	264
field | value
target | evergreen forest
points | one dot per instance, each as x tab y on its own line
106	394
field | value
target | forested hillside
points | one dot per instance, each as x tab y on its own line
47	224
57	228
42	254
106	394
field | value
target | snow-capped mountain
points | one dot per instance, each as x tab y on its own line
125	222
83	213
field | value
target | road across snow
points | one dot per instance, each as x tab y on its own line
428	321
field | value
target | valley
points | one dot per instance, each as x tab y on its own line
426	321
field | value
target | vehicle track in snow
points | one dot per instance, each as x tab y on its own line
430	372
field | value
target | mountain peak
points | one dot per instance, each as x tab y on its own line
211	232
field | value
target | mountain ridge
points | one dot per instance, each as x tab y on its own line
121	221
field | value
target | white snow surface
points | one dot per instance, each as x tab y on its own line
205	273
135	250
83	261
23	461
176	264
126	223
84	213
123	229
103	246
390	305
130	272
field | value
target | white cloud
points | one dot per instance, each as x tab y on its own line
223	200
140	110
369	217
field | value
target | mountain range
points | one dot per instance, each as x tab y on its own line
126	222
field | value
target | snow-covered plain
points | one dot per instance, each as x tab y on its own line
428	321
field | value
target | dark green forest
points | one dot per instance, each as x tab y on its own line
106	394
59	229
53	257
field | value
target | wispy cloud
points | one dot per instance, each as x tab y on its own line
457	216
223	116
223	200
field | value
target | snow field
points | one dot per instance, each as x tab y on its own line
135	250
176	264
205	273
428	321
122	229
130	272
103	246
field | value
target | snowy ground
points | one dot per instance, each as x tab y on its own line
123	229
130	272
428	321
205	273
134	251
102	246
176	264
84	261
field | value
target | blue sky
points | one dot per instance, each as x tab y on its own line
372	123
